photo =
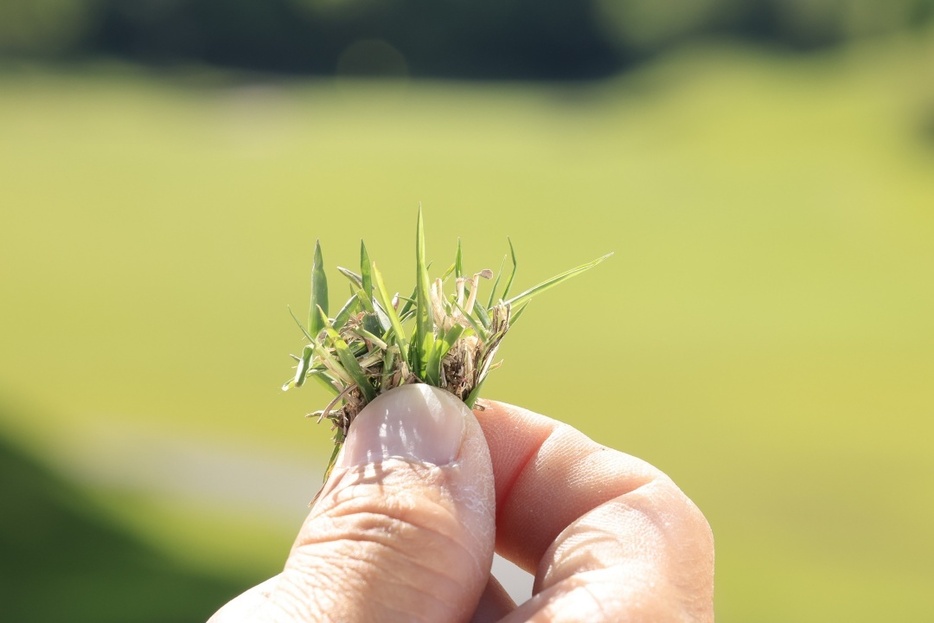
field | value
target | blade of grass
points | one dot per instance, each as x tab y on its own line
321	377
366	335
389	358
474	394
365	275
444	345
332	365
512	273
441	347
377	321
406	310
326	412
482	332
368	359
302	369
351	365
317	374
481	314
448	272
518	312
319	292
385	302
424	324
499	275
459	261
300	325
354	278
349	308
550	283
432	375
338	442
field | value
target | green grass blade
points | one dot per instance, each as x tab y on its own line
432	374
408	305
300	325
350	307
319	293
385	302
365	301
512	273
514	315
365	275
481	330
420	353
354	278
441	348
351	365
333	366
499	276
338	443
321	377
424	324
448	272
302	369
376	320
389	358
444	345
550	283
474	394
481	314
371	337
459	261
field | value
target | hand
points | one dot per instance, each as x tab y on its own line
423	490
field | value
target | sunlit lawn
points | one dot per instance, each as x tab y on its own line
764	333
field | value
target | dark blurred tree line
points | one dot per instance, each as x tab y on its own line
557	39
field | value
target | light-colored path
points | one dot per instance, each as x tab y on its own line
230	477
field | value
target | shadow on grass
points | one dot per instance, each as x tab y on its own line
59	561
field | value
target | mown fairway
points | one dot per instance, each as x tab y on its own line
764	333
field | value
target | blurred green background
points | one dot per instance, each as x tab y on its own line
764	172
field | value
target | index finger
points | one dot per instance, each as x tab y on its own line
556	488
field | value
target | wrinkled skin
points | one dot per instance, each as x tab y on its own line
406	526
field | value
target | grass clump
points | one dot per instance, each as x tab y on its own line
377	341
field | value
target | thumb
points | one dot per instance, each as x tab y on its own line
404	529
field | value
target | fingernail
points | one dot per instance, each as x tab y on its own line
415	422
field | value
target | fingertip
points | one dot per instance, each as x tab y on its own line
416	422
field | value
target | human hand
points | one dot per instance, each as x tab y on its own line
404	528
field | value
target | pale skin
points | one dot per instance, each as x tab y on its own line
424	491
